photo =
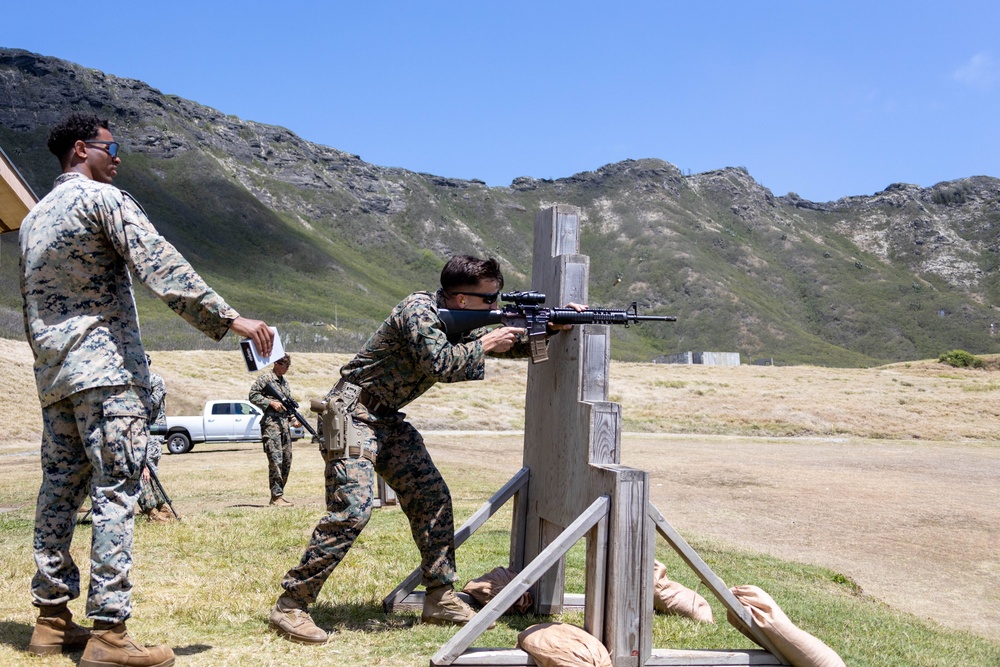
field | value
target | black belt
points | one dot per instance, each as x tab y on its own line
371	402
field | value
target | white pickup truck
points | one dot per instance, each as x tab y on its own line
228	420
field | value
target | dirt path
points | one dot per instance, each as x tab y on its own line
914	524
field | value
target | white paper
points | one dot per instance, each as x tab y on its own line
254	359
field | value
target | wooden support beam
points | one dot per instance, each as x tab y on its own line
489	508
550	556
710	579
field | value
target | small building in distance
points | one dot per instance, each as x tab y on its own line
704	358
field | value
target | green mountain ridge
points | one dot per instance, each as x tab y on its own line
323	244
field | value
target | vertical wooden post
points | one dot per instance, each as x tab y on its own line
572	447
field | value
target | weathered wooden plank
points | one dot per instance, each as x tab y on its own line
709	658
522	582
386	496
488	657
628	620
596	581
489	508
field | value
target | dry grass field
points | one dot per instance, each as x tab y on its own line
890	476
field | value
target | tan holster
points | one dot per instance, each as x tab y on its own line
340	438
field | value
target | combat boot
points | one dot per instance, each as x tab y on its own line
56	632
442	606
291	620
166	514
279	501
156	516
111	646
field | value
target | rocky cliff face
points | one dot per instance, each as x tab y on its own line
852	280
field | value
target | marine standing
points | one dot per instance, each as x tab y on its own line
405	357
274	428
78	247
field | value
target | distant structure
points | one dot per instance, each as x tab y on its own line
704	358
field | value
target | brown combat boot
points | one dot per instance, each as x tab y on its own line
156	516
442	606
167	513
111	646
291	620
279	501
56	632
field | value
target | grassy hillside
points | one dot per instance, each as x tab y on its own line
323	244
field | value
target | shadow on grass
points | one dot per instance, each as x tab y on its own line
192	649
17	635
371	618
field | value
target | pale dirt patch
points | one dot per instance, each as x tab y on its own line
914	524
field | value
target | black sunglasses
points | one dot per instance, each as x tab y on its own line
487	298
110	146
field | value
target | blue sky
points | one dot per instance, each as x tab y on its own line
825	99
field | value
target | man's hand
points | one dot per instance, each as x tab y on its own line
255	330
278	406
145	474
501	339
556	328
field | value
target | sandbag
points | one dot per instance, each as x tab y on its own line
798	646
670	597
563	645
486	587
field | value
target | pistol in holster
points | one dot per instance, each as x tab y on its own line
340	438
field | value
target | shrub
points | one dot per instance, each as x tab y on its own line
960	359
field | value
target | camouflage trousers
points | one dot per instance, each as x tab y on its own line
277	441
149	496
92	442
403	462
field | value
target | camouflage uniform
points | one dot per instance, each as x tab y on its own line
404	358
274	433
149	496
78	246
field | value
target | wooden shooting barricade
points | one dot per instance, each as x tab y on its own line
572	486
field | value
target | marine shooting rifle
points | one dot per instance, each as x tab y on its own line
525	311
291	405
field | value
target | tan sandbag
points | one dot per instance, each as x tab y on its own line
563	645
798	646
488	586
670	597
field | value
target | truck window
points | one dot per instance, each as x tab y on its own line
245	409
222	409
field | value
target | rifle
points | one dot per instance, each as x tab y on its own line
160	429
163	492
291	405
527	312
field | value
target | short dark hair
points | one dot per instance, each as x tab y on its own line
465	270
75	127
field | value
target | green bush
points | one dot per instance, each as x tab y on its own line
961	359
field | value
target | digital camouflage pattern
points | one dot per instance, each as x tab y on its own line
149	496
404	358
94	441
78	245
274	433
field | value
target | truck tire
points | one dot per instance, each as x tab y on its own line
178	443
